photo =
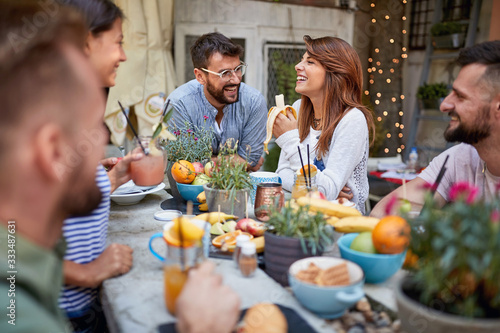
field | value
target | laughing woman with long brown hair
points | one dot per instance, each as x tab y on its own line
332	120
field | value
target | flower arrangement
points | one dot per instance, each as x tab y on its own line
458	249
229	173
311	229
192	143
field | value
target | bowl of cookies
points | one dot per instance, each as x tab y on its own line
326	286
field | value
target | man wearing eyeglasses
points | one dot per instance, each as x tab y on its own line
218	99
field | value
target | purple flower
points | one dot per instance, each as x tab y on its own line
463	191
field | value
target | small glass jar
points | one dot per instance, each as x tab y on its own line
302	186
240	240
248	259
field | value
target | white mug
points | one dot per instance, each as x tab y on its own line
262	177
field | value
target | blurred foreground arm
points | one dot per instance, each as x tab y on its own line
205	305
415	193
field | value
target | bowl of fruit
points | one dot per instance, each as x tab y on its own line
189	178
379	252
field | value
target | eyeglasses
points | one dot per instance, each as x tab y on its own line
227	74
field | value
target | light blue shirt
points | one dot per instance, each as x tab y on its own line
244	120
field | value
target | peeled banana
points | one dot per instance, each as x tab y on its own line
271	117
355	224
202	197
215	217
327	207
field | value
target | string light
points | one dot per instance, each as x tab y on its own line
380	57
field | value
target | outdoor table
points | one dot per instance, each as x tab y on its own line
134	302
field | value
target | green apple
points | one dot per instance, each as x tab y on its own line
404	205
217	229
363	243
201	179
229	226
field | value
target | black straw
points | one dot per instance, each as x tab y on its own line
440	175
164	110
309	166
302	162
132	128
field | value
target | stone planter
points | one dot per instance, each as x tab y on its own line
416	317
230	203
171	181
453	41
280	253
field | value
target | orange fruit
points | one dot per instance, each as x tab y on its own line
391	235
306	169
411	260
229	238
183	172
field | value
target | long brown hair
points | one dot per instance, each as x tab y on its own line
343	89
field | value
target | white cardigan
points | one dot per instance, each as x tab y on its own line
345	162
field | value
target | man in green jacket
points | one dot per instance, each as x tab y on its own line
51	139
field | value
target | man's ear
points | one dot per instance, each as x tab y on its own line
49	147
88	44
200	76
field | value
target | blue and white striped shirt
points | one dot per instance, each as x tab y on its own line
86	240
244	120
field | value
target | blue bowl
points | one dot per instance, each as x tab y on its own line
328	302
190	192
377	267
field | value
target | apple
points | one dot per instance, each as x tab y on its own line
316	195
255	228
198	167
242	224
201	179
208	168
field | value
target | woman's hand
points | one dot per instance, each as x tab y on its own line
283	124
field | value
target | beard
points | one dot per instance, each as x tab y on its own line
219	96
84	196
479	131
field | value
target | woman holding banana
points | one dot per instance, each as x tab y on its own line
332	120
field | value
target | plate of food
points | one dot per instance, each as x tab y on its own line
130	194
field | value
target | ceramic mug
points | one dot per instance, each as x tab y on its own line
262	177
267	195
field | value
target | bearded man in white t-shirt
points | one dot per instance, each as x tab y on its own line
474	108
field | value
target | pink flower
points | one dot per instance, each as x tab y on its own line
463	191
428	186
195	139
189	131
497	188
205	117
177	132
390	205
495	216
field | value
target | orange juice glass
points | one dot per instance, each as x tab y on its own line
176	268
301	187
150	170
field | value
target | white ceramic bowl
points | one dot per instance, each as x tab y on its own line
133	198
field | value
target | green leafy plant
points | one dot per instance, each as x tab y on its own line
458	247
432	91
229	172
192	143
446	28
297	222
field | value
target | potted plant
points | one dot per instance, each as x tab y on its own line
230	183
448	35
431	95
293	233
192	143
455	286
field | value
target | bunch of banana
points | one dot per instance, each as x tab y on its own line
271	117
215	217
327	207
202	197
355	224
259	243
203	207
